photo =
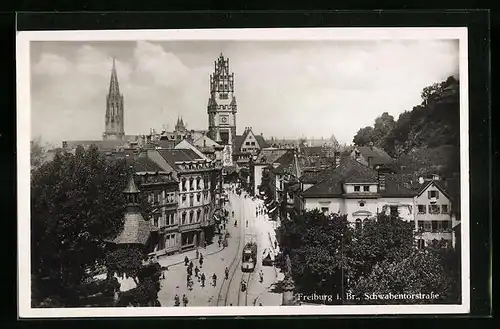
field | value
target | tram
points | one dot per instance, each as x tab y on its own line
249	258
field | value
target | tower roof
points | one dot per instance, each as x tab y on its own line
114	88
131	187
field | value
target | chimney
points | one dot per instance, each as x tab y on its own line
421	180
370	161
436	177
370	145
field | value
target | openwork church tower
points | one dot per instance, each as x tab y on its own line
114	122
222	104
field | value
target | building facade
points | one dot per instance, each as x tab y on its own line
353	189
434	214
196	202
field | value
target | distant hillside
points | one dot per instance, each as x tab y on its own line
426	139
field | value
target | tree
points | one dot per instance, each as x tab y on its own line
313	242
363	136
382	238
419	273
37	153
76	204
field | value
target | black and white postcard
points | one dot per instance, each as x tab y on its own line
243	172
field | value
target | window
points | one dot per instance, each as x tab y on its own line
434	209
434	225
158	197
439	225
191	199
183	198
421	209
361	203
252	143
420	225
191	184
394	211
190	217
183	186
427	226
183	218
444	209
198	182
433	194
446	225
421	243
366	188
155	221
247	143
198	217
357	188
198	197
359	224
324	210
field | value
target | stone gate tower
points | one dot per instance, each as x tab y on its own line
222	108
114	122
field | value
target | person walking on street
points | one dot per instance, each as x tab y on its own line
177	301
226	272
184	300
197	253
186	261
202	277
214	278
219	242
189	271
191	264
261	276
235	223
196	271
201	261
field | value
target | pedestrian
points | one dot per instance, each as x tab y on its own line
189	271
201	262
186	261
226	272
219	242
191	264
261	276
235	223
214	278
260	304
232	213
184	300
197	254
202	277
177	301
196	271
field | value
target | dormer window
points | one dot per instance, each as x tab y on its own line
433	194
366	188
357	188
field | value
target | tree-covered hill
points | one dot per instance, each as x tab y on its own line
425	139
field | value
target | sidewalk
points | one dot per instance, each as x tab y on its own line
171	260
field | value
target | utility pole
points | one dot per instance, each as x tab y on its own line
342	266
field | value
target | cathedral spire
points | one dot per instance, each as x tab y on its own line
114	88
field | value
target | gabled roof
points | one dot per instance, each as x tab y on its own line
377	155
174	155
439	186
135	230
350	171
312	150
262	142
269	155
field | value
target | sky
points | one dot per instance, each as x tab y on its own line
283	88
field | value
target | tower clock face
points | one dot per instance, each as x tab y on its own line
223	120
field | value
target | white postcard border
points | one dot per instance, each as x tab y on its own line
23	157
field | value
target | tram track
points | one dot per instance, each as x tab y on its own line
233	267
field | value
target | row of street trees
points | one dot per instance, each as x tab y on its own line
330	257
77	204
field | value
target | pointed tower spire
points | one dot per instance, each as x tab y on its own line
131	193
114	88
